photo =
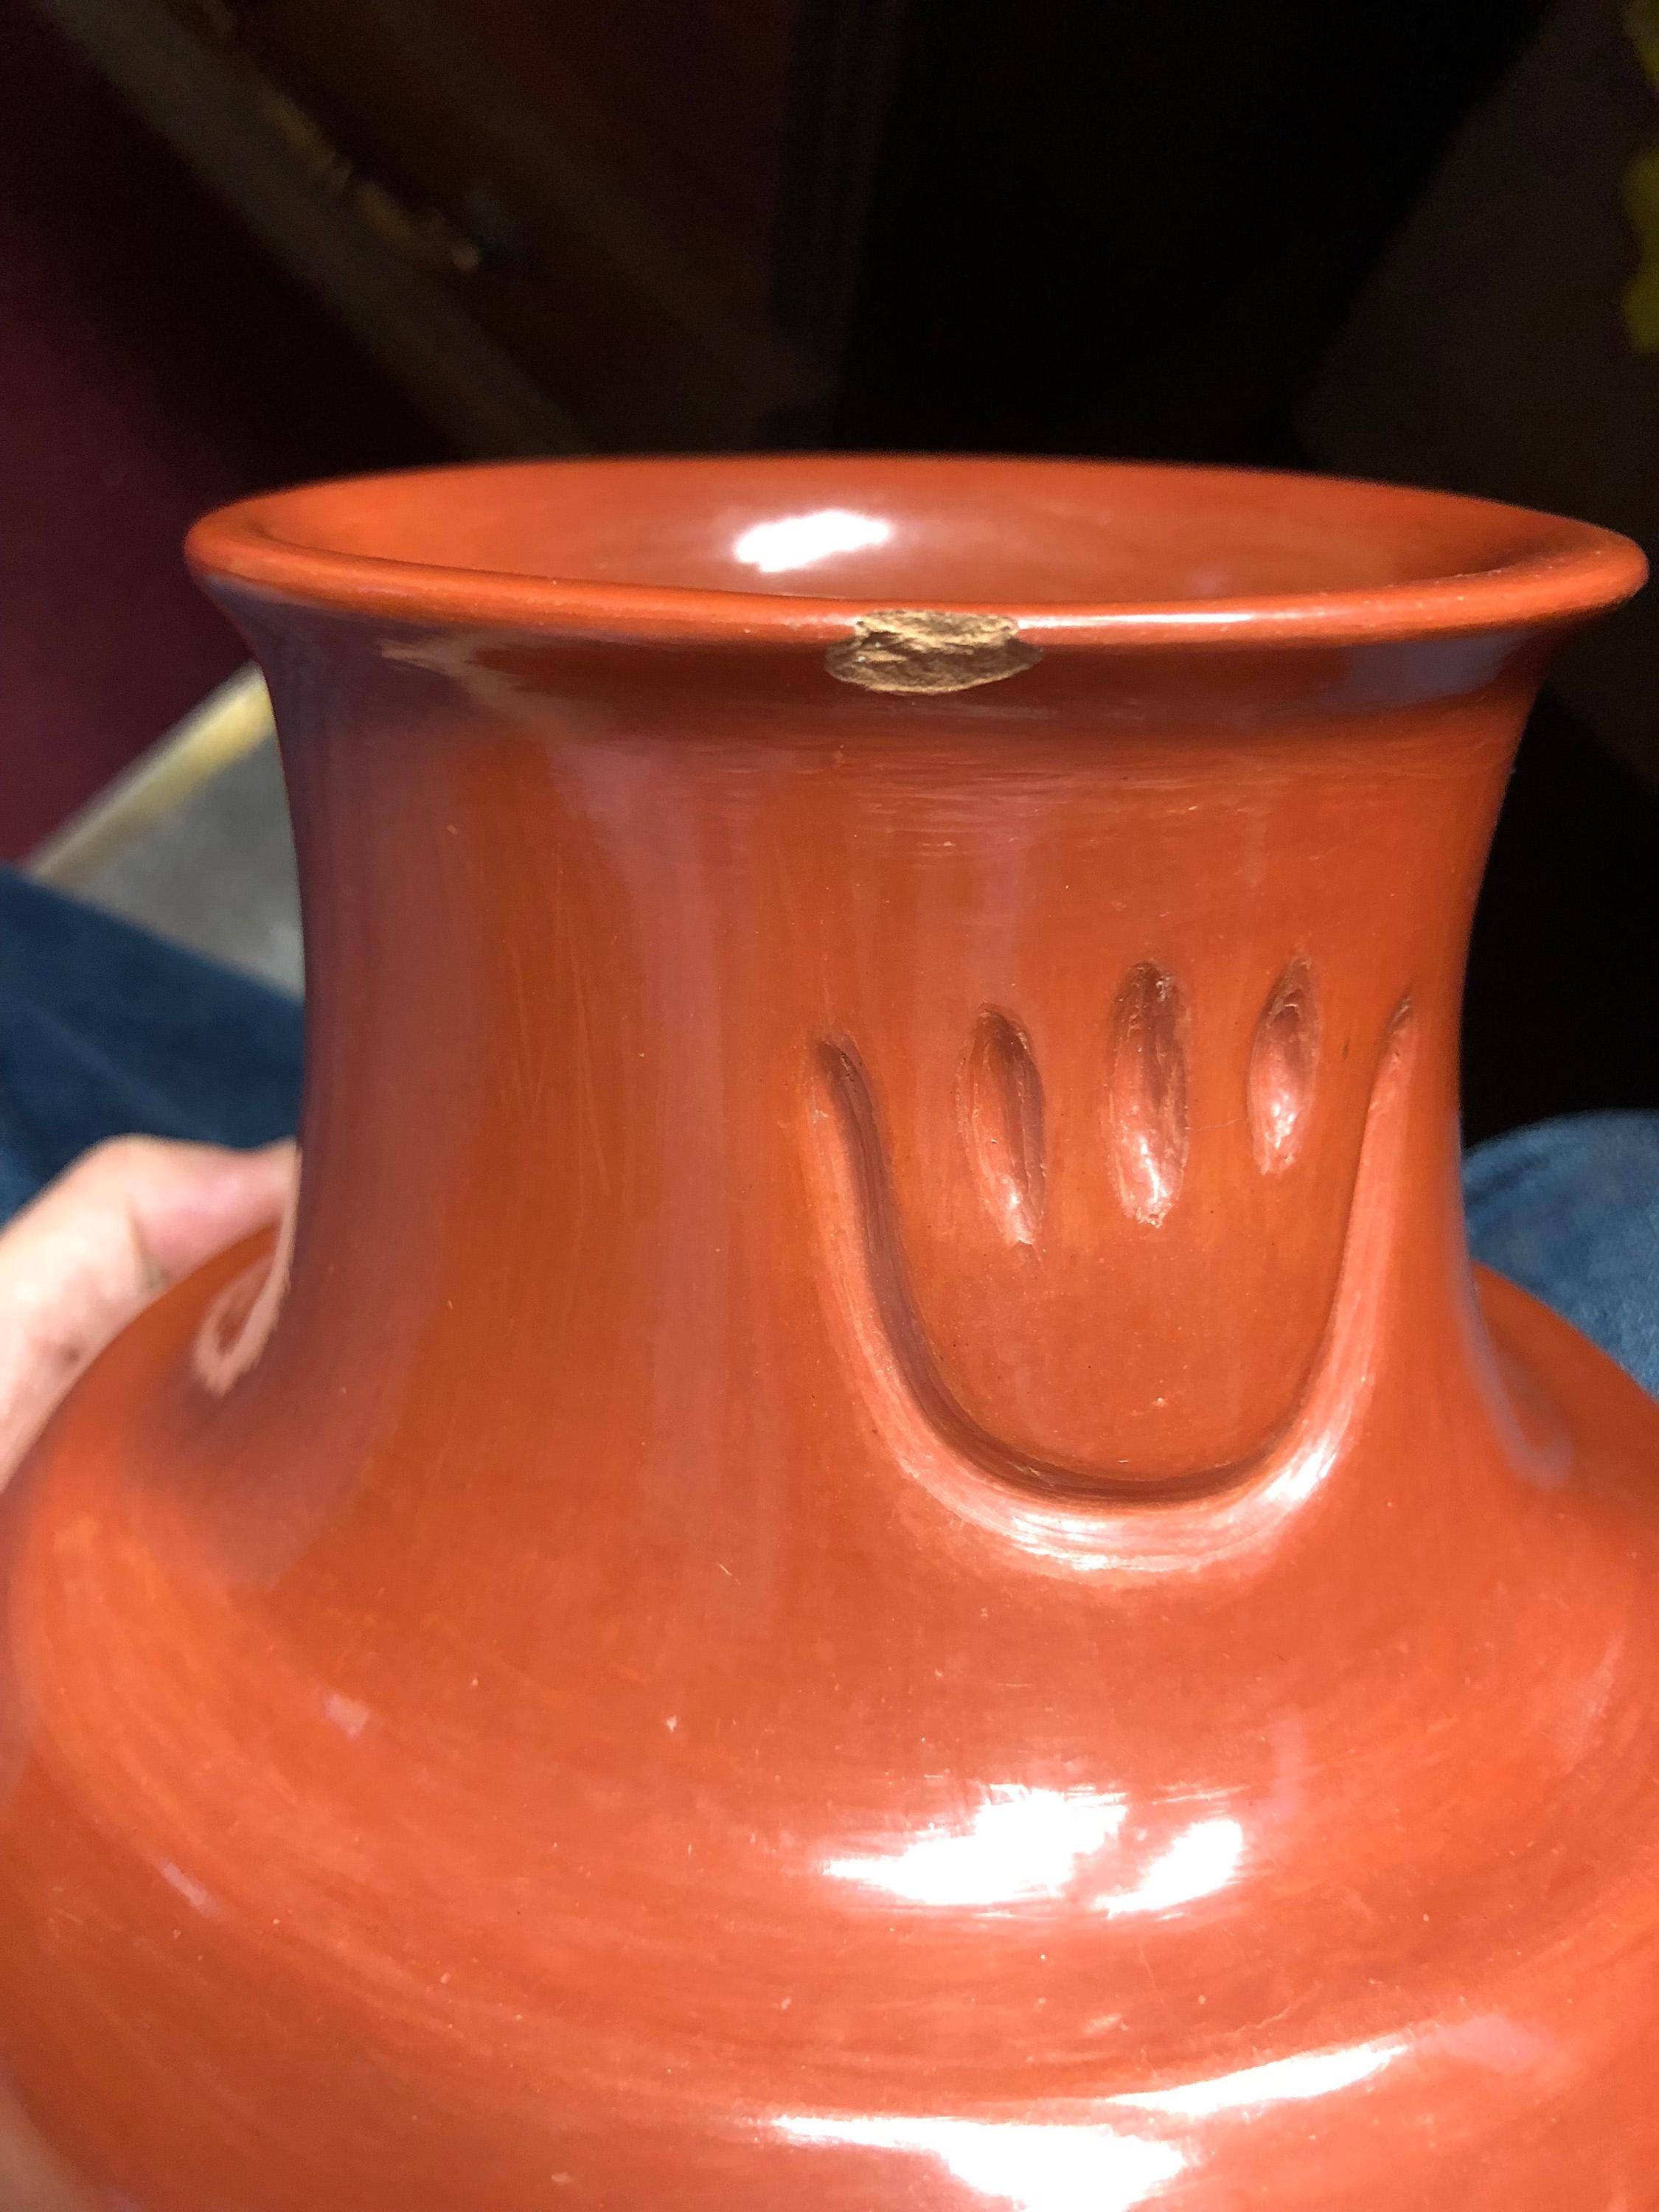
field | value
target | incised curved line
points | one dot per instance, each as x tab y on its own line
1075	1513
242	1319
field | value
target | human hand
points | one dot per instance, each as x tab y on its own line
115	1229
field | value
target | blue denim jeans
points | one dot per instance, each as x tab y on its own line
104	1029
1569	1210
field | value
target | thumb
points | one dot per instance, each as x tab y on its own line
79	1262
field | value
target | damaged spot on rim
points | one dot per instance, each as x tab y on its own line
907	649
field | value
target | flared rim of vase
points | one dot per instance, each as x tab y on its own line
784	550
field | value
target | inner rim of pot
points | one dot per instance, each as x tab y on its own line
780	548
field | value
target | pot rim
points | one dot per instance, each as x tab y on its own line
1512	566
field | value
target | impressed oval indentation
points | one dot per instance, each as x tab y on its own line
1284	1059
1004	1124
1146	1092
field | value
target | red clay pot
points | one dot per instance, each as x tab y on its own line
883	1557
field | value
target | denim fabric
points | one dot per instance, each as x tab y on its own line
104	1029
1569	1210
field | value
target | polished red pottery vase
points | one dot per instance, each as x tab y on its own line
869	1550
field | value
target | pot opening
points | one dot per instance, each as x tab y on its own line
801	545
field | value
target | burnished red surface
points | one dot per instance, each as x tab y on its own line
881	1558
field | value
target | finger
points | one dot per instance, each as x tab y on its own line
78	1263
188	1201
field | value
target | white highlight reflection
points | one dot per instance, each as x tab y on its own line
1202	1860
795	541
349	1715
1035	2168
1281	2080
1019	1843
1073	2167
193	1892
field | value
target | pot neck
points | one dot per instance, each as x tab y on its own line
1016	1052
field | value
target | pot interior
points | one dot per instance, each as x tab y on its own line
912	531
